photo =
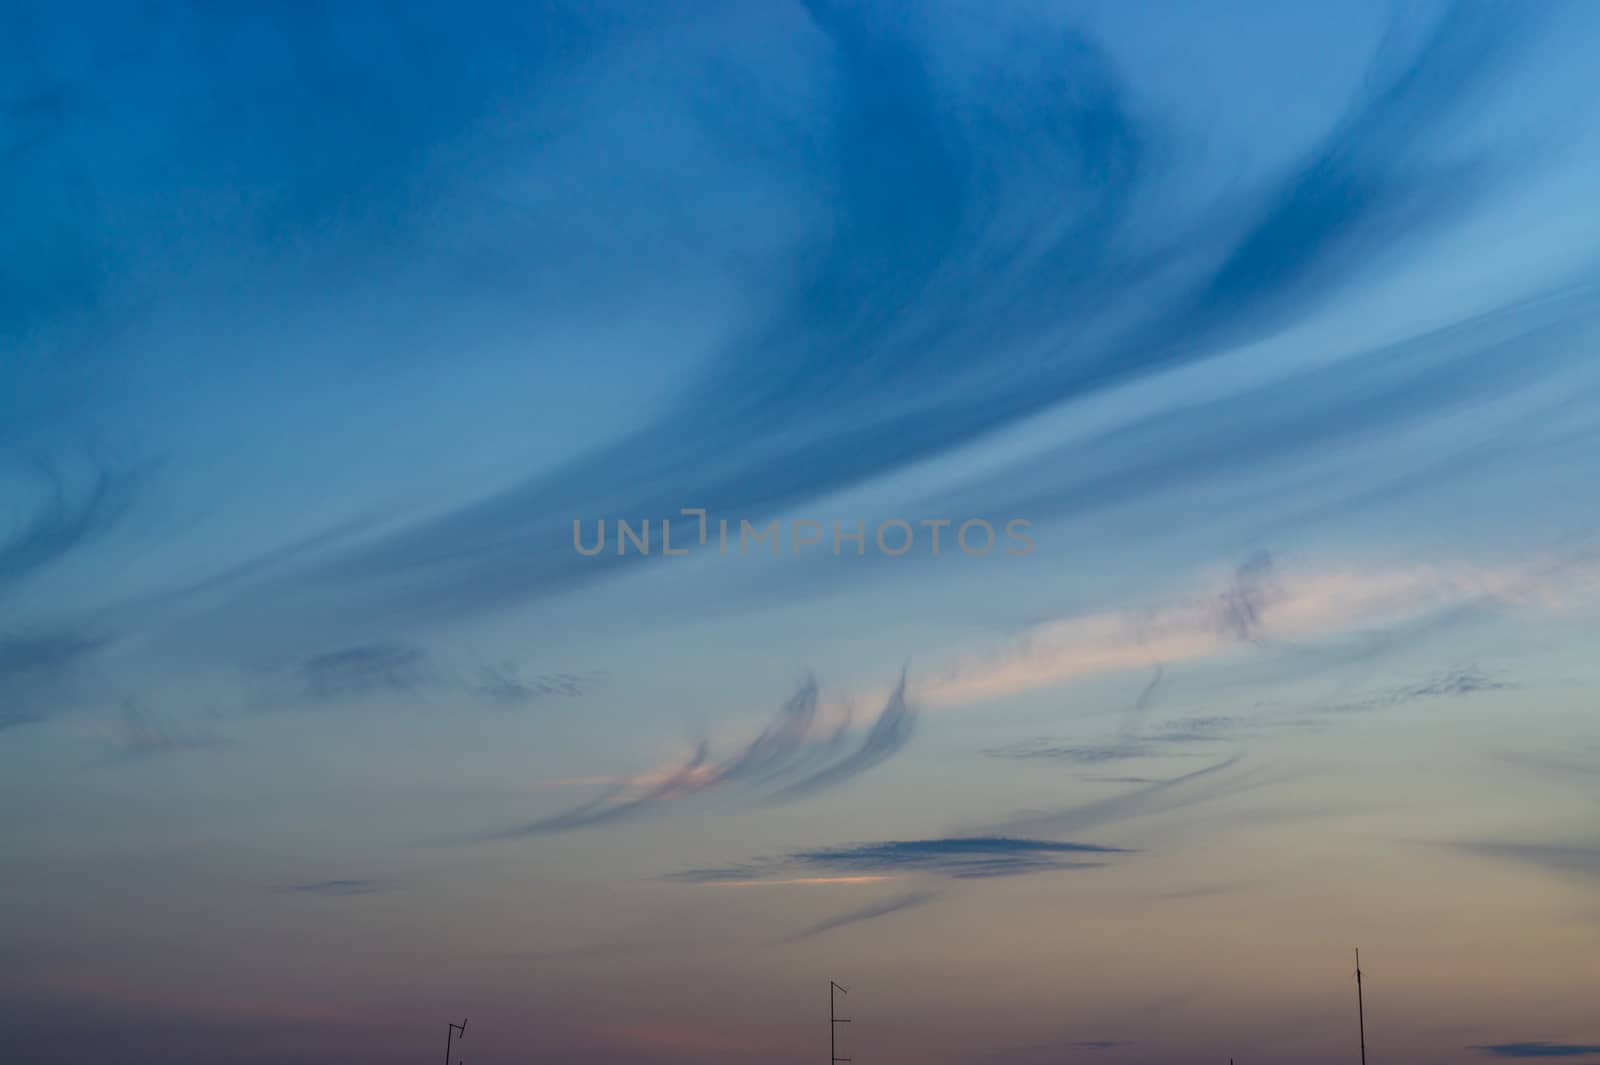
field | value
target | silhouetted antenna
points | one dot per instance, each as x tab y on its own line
1361	1011
834	1020
451	1034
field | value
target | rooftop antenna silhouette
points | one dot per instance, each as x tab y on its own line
834	1020
451	1034
1361	1012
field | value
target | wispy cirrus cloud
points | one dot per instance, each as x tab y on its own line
941	250
334	889
1579	860
363	670
1264	605
39	673
59	507
964	858
1044	246
796	755
396	667
907	901
507	683
1208	784
1087	754
1207	728
1326	412
1539	1050
1164	738
1456	682
139	732
1258	605
953	857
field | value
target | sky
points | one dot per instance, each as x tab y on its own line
598	519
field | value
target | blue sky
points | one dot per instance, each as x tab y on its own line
1271	325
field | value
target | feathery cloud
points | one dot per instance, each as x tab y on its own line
954	857
794	756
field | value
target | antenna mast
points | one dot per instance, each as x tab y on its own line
834	1020
451	1034
1361	1012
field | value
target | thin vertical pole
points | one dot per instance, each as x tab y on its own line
834	1020
1361	1010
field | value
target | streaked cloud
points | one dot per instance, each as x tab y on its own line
507	683
400	668
140	732
1262	605
364	670
1451	683
1167	738
60	505
1575	860
1396	399
335	889
967	858
955	857
749	876
1154	742
796	755
868	913
1208	784
39	673
1054	242
1539	1050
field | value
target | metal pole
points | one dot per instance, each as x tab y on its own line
834	1020
1361	1010
450	1034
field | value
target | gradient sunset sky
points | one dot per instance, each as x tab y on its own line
1273	325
